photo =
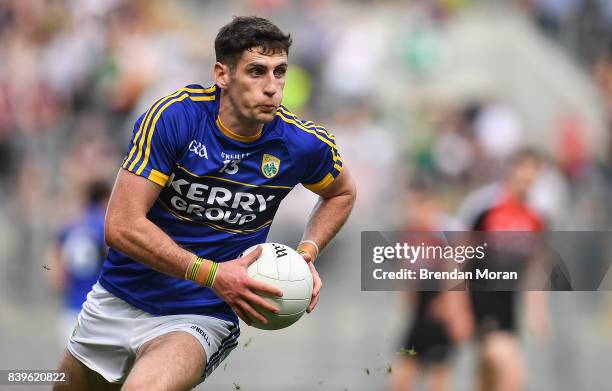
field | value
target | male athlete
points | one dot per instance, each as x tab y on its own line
204	175
77	256
501	361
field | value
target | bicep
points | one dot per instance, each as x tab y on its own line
132	197
343	184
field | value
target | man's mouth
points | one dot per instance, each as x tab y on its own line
267	108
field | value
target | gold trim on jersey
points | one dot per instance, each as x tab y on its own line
154	124
144	125
214	226
235	136
317	135
322	134
232	181
322	184
335	155
308	124
158	177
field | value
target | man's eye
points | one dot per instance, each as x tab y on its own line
280	72
257	72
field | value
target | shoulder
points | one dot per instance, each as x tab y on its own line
189	102
303	135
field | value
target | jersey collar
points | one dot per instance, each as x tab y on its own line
235	136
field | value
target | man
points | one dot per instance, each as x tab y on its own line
76	257
493	304
205	173
441	319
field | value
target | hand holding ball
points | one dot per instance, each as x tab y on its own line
283	267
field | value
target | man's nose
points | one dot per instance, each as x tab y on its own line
270	86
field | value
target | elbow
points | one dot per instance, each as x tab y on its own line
352	192
110	235
114	233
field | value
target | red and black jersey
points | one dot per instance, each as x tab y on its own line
510	215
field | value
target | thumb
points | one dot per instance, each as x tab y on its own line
306	255
252	256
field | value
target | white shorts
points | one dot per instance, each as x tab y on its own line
110	331
65	325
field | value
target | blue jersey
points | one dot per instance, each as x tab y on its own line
83	250
220	191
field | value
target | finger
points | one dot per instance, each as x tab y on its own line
264	288
313	303
242	316
259	301
317	284
306	255
315	296
252	256
316	287
251	312
316	280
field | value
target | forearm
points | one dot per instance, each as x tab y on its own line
143	241
327	218
127	229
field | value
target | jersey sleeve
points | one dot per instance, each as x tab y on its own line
323	162
158	138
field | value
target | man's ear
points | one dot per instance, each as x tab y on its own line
222	74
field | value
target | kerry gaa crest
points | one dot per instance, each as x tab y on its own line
270	165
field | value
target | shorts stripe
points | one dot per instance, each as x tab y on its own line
233	336
228	343
224	353
219	353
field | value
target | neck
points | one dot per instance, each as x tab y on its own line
515	194
233	121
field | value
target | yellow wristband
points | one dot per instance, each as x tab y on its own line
210	280
194	267
202	271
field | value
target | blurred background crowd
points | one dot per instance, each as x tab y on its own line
443	92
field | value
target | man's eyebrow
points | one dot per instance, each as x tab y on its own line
259	64
255	65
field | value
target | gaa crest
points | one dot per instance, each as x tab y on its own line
270	165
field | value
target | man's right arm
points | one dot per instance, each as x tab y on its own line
127	229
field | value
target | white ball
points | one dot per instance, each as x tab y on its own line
283	267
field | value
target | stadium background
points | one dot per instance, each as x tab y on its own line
443	90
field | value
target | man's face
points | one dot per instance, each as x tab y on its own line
523	175
255	85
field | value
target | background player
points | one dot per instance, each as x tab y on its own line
441	319
501	361
76	258
204	175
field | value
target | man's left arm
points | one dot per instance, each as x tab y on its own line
328	216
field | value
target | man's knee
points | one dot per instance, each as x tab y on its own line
501	350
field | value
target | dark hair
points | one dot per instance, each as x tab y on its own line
247	32
524	155
97	192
